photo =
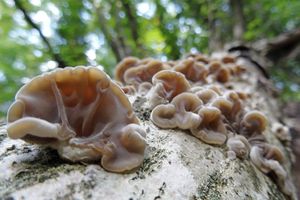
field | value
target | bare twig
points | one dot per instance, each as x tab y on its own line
108	36
134	26
285	45
55	56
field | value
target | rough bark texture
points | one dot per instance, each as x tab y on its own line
176	164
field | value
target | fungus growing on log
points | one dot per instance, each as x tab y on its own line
87	117
143	72
193	70
181	112
206	95
211	129
166	85
220	72
253	124
81	113
268	159
125	64
238	146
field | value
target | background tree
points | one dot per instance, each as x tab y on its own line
38	36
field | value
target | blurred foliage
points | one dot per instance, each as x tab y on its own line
100	33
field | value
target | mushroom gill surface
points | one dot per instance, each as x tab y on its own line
81	113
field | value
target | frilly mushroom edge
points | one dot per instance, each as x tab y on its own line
81	113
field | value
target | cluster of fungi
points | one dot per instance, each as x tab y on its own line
87	116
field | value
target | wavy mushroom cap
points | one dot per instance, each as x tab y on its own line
267	158
198	57
214	66
212	129
254	122
78	107
207	95
238	146
123	66
181	112
223	104
220	71
144	72
174	83
166	85
193	71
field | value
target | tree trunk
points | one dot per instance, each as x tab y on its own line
176	165
238	18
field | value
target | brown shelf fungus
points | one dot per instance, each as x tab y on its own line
181	112
166	85
268	159
124	65
211	129
81	113
143	72
219	71
253	124
193	71
238	146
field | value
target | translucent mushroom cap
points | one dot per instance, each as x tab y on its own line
211	129
78	107
193	71
254	122
124	65
173	83
181	112
144	72
166	85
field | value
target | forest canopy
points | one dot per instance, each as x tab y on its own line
41	35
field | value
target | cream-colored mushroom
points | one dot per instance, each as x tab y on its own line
206	95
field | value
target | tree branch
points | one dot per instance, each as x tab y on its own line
284	45
28	19
134	26
119	32
109	38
